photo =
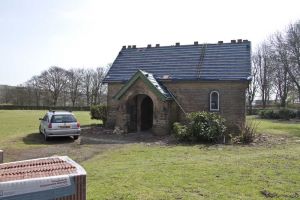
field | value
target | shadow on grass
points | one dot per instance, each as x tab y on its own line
104	136
37	138
91	125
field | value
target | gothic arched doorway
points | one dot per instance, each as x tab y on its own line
146	113
140	111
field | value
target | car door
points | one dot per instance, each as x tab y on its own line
45	122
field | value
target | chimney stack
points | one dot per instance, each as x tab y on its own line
149	46
220	42
177	44
196	43
239	40
123	47
129	47
233	41
134	46
157	45
245	41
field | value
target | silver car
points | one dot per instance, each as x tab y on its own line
58	124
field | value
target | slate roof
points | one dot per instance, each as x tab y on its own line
150	80
226	61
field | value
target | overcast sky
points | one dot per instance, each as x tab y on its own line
37	34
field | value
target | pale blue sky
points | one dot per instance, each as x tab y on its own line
36	34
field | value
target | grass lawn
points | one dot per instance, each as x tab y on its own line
195	172
287	128
153	171
15	124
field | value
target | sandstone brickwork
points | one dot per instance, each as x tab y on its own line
192	96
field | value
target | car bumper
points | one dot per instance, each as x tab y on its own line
63	133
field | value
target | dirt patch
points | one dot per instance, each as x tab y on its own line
97	140
74	150
269	194
104	136
271	140
93	141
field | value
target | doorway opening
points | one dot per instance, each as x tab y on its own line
140	111
146	114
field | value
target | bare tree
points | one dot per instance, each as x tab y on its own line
87	85
53	80
34	85
97	84
280	65
6	94
74	77
261	59
293	45
253	87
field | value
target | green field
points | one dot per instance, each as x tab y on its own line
153	171
277	127
195	172
15	124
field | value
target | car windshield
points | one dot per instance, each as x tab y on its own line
63	119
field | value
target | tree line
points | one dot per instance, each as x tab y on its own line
276	68
59	87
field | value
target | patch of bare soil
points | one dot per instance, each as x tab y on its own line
97	140
93	141
72	149
268	140
269	194
101	135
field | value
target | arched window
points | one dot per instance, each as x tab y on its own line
214	101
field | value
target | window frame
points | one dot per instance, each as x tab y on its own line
210	101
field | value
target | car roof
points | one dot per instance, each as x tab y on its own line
60	113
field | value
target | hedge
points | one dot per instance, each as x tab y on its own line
279	114
14	107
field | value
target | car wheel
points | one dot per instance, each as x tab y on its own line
40	129
46	138
75	137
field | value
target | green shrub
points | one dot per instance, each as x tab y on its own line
278	114
268	114
298	114
205	126
99	112
262	114
180	132
285	114
254	111
201	126
293	114
248	132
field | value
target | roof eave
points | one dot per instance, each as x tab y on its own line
131	81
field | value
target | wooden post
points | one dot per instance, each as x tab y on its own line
1	156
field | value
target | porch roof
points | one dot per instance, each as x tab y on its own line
150	81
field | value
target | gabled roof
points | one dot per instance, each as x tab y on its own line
150	81
226	61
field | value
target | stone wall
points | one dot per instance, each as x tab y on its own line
112	104
117	112
193	96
